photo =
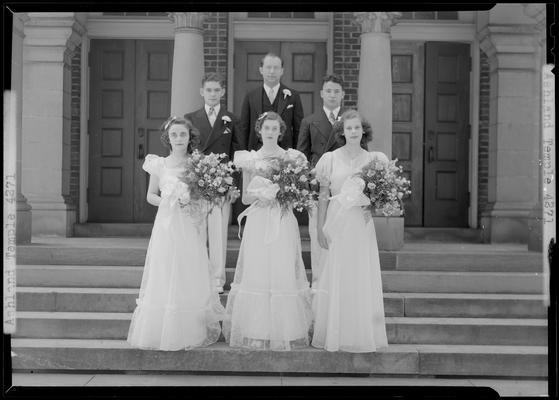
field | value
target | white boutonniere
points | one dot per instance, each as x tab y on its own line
226	120
286	92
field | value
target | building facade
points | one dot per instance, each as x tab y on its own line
455	96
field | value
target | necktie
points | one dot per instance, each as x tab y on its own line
271	96
211	116
332	118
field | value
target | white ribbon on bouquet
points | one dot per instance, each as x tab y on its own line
265	191
351	195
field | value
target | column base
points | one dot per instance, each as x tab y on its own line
53	218
505	226
23	224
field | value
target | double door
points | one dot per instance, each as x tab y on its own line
130	94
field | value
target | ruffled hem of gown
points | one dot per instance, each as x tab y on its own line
290	312
175	319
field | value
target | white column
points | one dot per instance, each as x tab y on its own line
514	130
23	229
374	95
50	39
188	62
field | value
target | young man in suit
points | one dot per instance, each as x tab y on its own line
271	96
315	139
219	133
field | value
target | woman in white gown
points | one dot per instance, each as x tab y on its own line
178	307
268	307
348	301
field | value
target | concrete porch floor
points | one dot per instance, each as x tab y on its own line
505	387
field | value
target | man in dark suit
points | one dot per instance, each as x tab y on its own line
271	96
219	133
315	139
315	135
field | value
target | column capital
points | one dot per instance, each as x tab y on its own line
188	21
509	46
538	13
54	30
378	22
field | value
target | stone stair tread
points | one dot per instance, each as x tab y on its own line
221	346
391	295
389	320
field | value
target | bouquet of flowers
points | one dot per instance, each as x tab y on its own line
385	187
297	185
209	179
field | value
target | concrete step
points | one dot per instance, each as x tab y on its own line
393	281
414	256
400	330
479	305
437	360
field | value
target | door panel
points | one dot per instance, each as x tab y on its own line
304	65
446	134
130	95
154	63
111	170
408	68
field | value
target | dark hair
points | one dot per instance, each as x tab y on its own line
213	77
273	55
338	128
194	134
333	78
273	117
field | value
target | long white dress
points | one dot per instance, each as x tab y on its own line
269	305
177	308
348	301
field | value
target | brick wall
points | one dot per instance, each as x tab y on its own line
483	160
347	49
75	127
215	44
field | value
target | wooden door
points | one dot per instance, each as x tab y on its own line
304	65
408	66
446	134
154	63
129	99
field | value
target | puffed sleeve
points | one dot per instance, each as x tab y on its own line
243	159
152	164
323	169
379	155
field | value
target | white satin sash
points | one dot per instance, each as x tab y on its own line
265	191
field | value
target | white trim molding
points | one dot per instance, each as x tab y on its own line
127	28
270	29
434	31
84	134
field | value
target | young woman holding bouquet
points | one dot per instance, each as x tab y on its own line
348	301
268	307
178	307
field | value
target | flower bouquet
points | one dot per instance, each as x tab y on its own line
297	185
385	187
210	180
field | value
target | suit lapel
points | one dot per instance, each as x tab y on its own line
217	129
281	100
331	139
203	125
323	124
257	105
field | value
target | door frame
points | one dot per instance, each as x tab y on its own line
104	27
100	27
